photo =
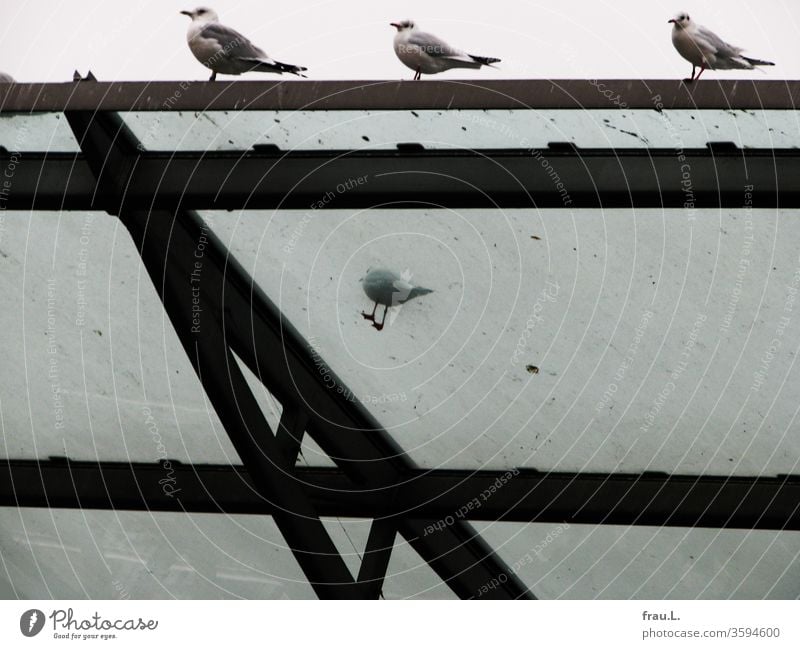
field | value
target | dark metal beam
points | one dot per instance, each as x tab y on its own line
377	553
399	95
191	294
295	374
291	428
237	317
439	497
472	551
508	178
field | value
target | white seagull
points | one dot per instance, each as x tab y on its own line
426	54
224	50
704	49
389	289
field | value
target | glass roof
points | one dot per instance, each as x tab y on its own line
615	340
75	554
471	129
101	374
560	561
591	340
37	132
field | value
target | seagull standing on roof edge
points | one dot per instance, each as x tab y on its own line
224	50
704	49
426	54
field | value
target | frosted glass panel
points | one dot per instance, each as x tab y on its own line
39	132
587	340
471	129
137	555
93	368
559	561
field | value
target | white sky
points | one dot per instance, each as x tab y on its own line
45	40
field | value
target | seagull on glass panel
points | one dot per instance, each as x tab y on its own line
388	289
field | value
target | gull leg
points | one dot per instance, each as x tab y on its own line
213	76
372	315
380	326
418	75
702	69
694	67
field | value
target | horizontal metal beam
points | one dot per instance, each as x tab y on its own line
399	95
440	497
561	176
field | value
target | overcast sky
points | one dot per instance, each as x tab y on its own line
45	40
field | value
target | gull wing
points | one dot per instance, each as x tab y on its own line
234	44
436	48
716	44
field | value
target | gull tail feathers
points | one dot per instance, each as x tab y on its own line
292	69
484	60
418	291
277	66
757	61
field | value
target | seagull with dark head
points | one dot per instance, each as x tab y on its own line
225	51
426	54
705	50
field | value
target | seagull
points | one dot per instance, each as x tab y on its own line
224	50
389	289
6	78
425	53
704	49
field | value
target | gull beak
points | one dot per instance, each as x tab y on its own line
671	20
187	13
395	25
